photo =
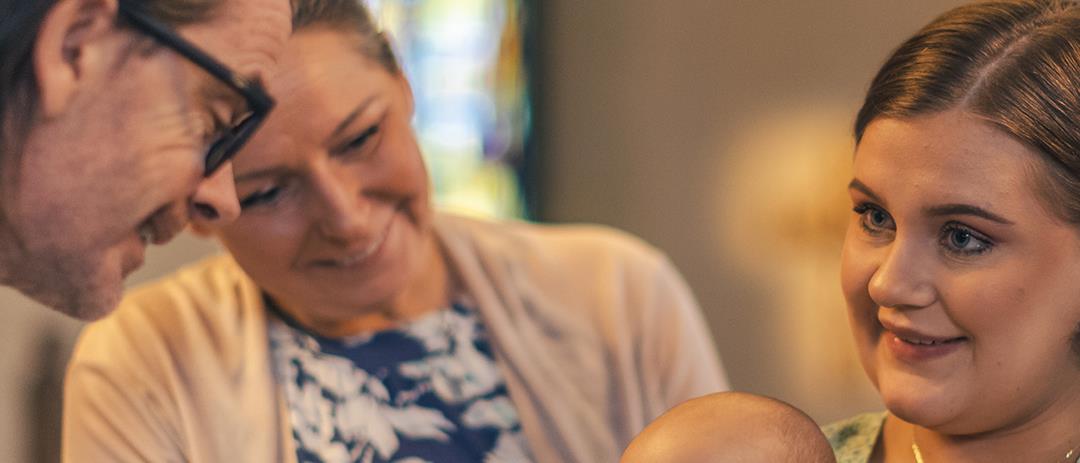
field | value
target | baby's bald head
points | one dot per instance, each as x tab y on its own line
731	427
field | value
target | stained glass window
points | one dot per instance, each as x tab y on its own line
465	62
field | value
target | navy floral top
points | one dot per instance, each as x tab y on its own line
424	392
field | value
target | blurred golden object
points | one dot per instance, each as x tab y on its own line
784	209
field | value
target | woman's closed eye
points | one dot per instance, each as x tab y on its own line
261	197
874	220
359	142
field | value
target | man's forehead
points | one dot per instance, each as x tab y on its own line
245	35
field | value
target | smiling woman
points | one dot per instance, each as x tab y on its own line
962	257
354	323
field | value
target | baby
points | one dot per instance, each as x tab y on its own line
730	427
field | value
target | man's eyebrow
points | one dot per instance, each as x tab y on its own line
860	186
966	209
348	120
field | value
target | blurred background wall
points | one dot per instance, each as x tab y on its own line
715	129
719	131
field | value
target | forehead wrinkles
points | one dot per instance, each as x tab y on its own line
321	88
245	35
309	98
309	107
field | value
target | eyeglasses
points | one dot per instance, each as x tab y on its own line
259	102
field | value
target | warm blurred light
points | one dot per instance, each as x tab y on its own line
784	210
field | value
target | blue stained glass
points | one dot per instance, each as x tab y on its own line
464	60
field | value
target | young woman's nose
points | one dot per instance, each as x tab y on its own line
903	279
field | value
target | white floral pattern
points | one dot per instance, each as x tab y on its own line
429	391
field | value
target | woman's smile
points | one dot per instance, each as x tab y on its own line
913	345
360	256
919	349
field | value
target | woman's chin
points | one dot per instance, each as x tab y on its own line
939	412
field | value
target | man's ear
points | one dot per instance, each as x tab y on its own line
68	47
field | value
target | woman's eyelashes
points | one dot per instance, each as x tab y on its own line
874	220
261	197
359	142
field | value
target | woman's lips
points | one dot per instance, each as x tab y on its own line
928	342
913	345
917	348
357	256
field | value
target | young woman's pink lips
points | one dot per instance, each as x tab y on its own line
912	345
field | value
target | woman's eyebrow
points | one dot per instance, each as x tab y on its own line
275	171
860	186
348	120
965	209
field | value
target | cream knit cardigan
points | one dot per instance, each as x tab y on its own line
595	333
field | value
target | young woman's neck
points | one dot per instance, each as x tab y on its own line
1047	437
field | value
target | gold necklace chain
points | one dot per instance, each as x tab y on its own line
915	448
1073	452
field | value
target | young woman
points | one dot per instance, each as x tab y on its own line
961	266
352	323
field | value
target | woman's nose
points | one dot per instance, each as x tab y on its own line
344	213
214	201
903	279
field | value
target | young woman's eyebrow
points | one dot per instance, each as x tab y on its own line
861	187
965	209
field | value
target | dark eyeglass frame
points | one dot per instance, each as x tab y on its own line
259	102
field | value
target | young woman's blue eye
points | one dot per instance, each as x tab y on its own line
264	196
874	220
962	240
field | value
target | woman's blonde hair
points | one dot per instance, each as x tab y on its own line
348	16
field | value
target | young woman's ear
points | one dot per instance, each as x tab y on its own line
69	46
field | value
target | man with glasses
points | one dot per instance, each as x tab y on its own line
117	119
